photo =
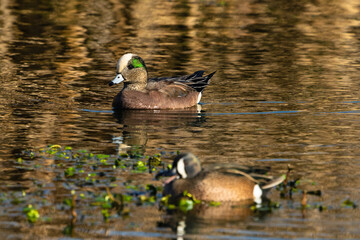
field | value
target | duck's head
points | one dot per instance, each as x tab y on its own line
185	165
131	69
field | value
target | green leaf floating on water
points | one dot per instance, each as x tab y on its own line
214	204
105	214
186	204
31	213
348	203
191	197
70	172
102	156
141	167
155	160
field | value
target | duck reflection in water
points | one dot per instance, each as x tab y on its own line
136	124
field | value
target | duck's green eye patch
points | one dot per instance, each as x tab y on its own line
137	63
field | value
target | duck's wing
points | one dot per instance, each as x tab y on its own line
179	78
251	170
255	174
169	88
195	80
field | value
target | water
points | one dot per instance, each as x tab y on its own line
286	91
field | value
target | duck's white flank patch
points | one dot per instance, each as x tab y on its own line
257	193
181	168
123	61
199	97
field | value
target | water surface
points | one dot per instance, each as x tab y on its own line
286	91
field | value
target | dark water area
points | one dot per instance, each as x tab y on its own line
286	92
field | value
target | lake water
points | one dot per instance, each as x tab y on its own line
286	92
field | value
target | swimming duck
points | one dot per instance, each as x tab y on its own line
139	92
221	184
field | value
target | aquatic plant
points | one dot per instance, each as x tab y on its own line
32	214
109	186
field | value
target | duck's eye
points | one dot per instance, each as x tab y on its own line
130	66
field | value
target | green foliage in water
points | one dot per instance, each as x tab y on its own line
32	214
214	203
69	172
186	204
348	203
108	185
93	175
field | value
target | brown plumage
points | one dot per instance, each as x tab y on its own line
160	96
222	184
213	186
139	92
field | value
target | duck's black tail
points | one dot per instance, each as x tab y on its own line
197	81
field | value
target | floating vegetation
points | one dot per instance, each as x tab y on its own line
110	186
69	172
266	206
88	181
32	214
214	203
348	204
186	203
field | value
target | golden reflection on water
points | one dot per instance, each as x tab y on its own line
271	57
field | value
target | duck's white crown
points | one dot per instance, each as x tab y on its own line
123	61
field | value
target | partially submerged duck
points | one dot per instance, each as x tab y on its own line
222	184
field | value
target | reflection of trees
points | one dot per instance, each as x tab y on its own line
276	50
8	80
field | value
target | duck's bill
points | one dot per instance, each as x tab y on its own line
118	79
171	174
170	179
166	173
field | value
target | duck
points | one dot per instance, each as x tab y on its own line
220	184
140	92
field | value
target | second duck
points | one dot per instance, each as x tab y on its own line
220	184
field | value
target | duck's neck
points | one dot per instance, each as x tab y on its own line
135	86
139	80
